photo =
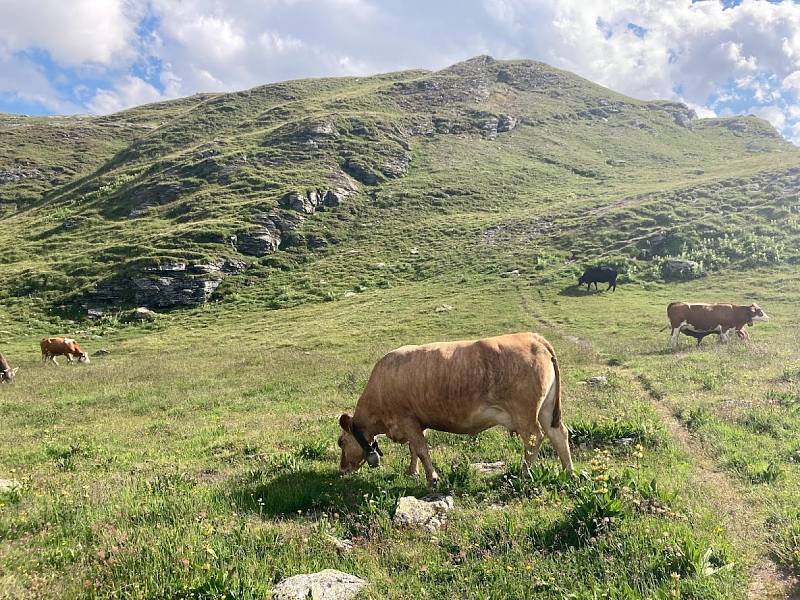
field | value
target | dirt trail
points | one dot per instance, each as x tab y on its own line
767	579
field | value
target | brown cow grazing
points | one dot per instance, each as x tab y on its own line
7	374
721	319
458	387
62	346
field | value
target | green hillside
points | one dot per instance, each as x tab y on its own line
290	235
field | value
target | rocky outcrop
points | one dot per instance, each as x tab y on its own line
18	173
361	171
170	285
259	241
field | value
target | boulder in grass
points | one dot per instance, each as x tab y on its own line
329	584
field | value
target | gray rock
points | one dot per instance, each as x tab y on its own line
678	268
430	513
72	222
396	167
597	380
489	467
506	123
302	203
144	314
9	485
342	546
443	308
360	171
102	352
259	241
324	585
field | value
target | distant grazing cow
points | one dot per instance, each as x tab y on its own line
62	346
712	318
459	387
7	374
593	275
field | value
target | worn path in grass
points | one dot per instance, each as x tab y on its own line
744	521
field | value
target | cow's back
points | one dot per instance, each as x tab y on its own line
443	384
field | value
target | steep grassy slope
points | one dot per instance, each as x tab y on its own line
198	459
263	180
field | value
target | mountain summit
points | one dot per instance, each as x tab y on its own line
157	205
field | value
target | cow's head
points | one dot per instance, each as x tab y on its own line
83	357
355	448
8	375
582	279
757	313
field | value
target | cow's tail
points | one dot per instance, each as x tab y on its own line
556	422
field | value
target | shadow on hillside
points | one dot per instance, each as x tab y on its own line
298	491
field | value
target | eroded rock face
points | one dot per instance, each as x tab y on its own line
360	171
171	285
428	513
329	584
259	241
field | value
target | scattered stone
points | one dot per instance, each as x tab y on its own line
514	273
329	584
144	314
102	352
430	513
489	467
443	308
598	380
72	222
380	265
94	313
506	123
342	546
414	250
9	485
679	268
348	294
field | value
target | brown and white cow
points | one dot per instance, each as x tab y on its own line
62	346
721	319
7	374
459	387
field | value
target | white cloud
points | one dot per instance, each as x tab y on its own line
773	114
717	60
72	32
128	91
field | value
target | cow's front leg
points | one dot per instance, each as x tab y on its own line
412	468
419	446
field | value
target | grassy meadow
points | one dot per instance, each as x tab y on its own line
198	458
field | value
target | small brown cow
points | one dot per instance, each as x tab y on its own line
62	346
722	319
7	374
459	387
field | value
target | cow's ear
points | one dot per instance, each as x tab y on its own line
753	309
345	421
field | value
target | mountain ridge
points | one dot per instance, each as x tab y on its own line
174	197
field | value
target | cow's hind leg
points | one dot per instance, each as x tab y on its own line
419	447
558	434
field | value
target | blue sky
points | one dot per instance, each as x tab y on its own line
721	57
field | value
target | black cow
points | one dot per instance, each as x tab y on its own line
593	275
7	374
